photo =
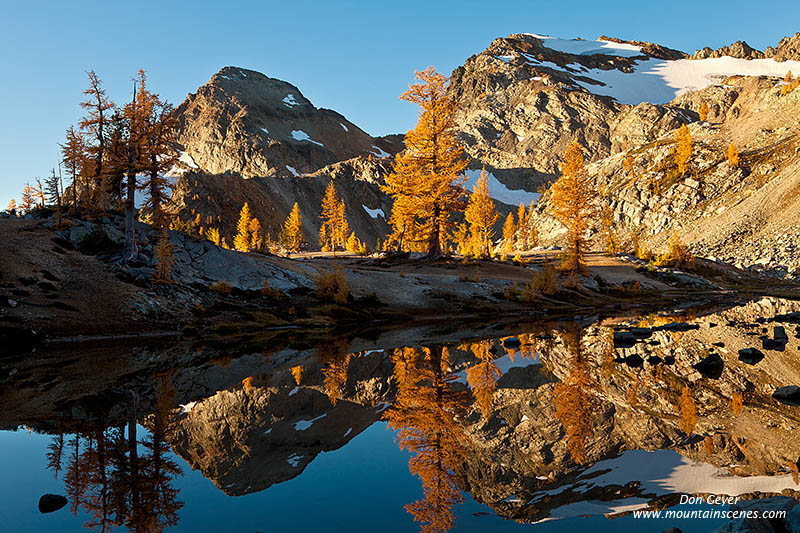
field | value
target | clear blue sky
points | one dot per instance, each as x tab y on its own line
352	56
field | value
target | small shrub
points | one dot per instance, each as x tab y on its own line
677	256
269	292
223	288
332	286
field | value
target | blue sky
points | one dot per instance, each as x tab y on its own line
354	57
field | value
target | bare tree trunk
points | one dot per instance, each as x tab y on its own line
130	250
434	246
155	192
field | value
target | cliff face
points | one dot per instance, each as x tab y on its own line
244	123
740	214
526	97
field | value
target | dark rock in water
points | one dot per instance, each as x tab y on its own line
654	342
669	360
789	395
634	361
718	344
493	350
512	343
624	339
641	333
673	530
710	367
679	326
49	503
654	360
750	356
779	334
712	324
773	344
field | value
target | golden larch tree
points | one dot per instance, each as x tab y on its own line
12	206
683	149
571	199
293	230
481	216
334	229
297	373
427	183
242	241
509	231
98	107
733	156
703	111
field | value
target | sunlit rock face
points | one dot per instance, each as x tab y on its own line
246	137
245	123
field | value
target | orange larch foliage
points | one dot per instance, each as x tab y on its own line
336	377
242	240
425	417
571	199
481	217
297	373
426	184
573	402
703	113
688	411
482	377
334	229
683	149
292	234
733	156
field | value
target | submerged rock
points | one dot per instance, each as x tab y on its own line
49	503
750	356
710	367
789	395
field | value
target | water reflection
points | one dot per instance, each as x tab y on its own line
544	422
121	480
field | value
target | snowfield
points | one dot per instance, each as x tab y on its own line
579	47
660	472
499	191
657	81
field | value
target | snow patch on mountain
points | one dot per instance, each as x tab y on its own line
580	47
300	135
499	191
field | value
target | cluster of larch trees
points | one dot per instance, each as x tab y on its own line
112	153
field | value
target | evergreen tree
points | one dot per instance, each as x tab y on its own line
53	190
571	199
73	156
481	216
426	184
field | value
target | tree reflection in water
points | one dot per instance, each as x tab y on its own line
425	416
119	480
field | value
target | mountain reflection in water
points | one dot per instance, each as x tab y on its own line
541	423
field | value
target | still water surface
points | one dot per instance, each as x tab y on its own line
551	427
